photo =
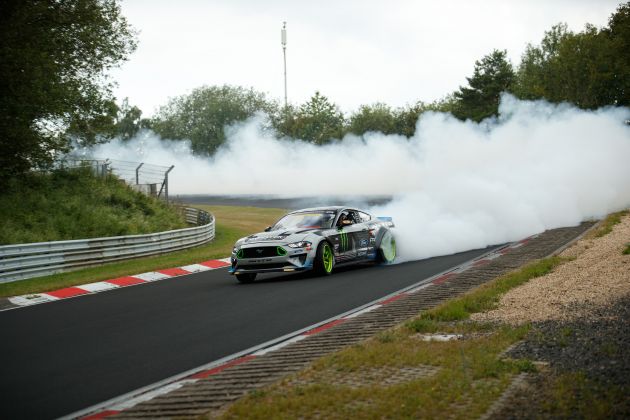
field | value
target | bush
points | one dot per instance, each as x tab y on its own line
75	204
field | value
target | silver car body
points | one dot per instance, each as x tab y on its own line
281	249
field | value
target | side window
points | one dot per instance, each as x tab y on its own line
354	216
364	217
344	215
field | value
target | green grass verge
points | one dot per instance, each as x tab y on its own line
232	223
627	250
75	204
483	298
471	374
607	224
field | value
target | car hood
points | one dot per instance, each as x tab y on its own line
285	235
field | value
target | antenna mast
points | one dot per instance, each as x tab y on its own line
284	53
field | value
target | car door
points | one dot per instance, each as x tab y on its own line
362	233
344	239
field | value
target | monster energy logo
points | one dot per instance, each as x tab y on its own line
343	237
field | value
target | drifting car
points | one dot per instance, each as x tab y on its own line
317	239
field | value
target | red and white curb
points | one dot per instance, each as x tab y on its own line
127	401
102	286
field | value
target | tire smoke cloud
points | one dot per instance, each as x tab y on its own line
455	185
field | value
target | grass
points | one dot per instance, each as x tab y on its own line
75	204
607	224
471	374
573	395
483	298
232	223
626	251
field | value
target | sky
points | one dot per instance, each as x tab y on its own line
353	52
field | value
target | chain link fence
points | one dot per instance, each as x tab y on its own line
147	178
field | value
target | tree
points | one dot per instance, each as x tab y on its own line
202	115
317	121
589	69
492	75
128	120
618	32
377	117
406	117
53	59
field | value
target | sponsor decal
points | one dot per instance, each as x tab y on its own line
344	241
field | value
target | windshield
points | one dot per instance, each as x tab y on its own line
307	220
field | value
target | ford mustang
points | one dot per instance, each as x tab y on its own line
318	239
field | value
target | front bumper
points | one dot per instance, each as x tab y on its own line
295	260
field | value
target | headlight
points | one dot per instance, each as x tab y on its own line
301	244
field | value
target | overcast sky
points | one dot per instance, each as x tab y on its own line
354	52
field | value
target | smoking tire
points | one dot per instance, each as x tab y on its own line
246	278
387	248
324	259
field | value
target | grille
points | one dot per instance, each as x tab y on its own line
261	251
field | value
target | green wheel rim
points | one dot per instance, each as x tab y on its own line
388	246
327	258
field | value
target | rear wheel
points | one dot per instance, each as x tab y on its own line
246	277
324	259
387	249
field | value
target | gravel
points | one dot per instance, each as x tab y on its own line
594	347
599	275
579	314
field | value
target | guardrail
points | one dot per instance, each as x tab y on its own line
23	261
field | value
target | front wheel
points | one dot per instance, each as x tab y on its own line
387	249
246	277
324	259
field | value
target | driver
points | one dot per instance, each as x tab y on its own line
345	219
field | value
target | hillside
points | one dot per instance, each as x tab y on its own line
76	204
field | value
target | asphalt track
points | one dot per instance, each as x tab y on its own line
60	357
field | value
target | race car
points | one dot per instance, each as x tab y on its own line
318	239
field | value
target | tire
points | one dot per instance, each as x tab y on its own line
324	259
246	278
387	248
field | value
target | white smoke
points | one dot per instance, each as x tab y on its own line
456	185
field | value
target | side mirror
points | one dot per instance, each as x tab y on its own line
268	228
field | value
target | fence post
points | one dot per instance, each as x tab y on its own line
166	182
138	173
104	168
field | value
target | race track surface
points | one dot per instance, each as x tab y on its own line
60	357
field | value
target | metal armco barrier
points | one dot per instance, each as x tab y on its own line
23	261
